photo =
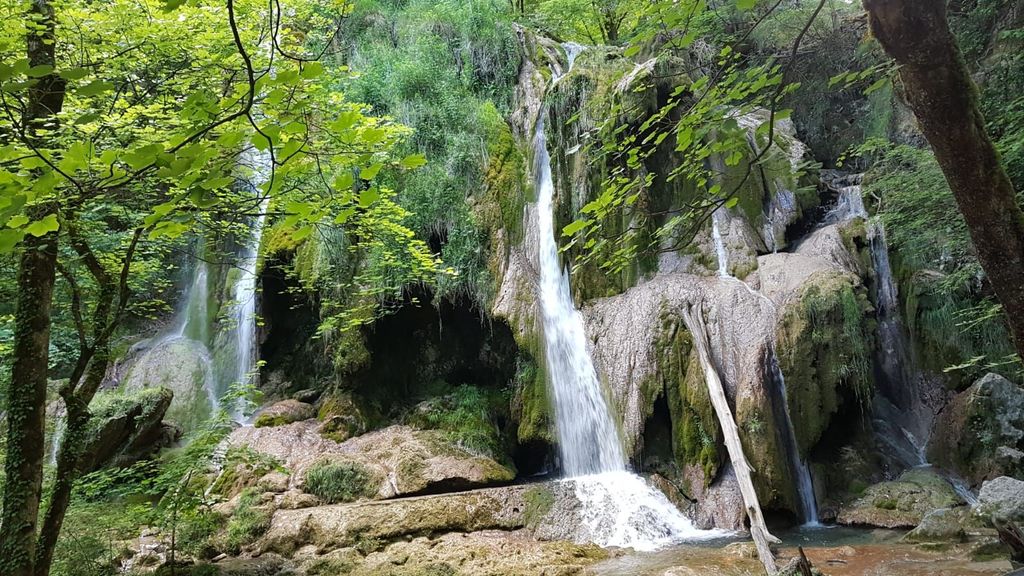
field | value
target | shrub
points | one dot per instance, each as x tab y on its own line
248	523
339	481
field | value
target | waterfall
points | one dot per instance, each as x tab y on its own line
716	236
801	471
244	290
587	436
618	508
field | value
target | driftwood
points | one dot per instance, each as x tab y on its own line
694	320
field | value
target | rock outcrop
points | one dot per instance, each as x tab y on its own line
980	433
399	460
901	503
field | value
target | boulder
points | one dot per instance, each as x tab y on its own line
371	525
1002	500
400	459
980	433
340	418
128	427
284	412
902	503
942	525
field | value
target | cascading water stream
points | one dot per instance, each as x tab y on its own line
618	507
804	483
723	254
244	291
894	410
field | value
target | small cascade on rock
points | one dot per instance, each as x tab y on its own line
619	508
720	250
801	471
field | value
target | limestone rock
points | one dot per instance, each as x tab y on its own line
182	366
942	525
980	433
404	460
129	428
340	417
373	524
284	412
276	482
1002	500
902	503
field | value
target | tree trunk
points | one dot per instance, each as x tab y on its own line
37	269
758	530
27	405
69	461
942	95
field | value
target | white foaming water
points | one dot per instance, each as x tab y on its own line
618	507
723	254
245	288
804	483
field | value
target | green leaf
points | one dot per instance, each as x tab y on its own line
877	85
745	4
413	161
370	172
9	239
575	227
39	71
312	70
17	221
46	225
74	73
95	88
368	197
631	50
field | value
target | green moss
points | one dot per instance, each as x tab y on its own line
825	346
696	435
539	501
339	481
249	521
464	415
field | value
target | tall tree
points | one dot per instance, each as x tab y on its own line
36	276
944	98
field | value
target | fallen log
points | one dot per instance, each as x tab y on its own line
694	320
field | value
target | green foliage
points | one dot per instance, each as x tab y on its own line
587	21
339	481
465	417
248	522
437	66
948	306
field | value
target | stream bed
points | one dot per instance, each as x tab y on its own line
836	551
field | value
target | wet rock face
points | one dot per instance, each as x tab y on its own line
980	434
902	503
182	366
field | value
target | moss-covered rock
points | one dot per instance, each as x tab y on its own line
902	503
284	412
980	433
825	345
340	417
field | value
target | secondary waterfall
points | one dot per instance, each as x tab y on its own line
716	236
804	483
618	508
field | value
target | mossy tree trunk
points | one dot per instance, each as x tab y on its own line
939	89
37	269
